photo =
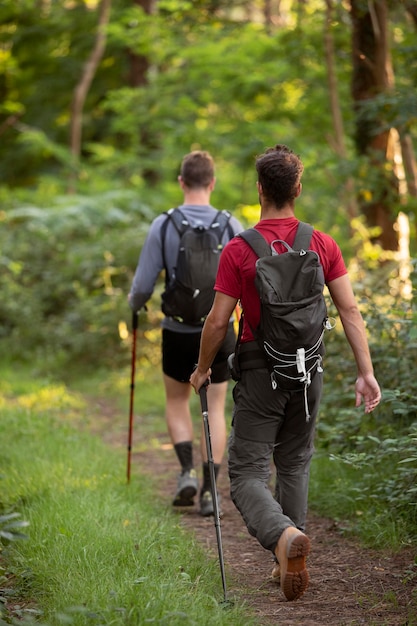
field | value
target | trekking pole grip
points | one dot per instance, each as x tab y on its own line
203	397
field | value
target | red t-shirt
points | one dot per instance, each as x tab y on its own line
236	274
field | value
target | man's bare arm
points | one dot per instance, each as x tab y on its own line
367	387
214	332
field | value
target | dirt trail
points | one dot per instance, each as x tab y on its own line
349	585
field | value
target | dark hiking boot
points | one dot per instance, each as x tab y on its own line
207	506
186	489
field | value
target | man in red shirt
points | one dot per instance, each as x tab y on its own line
271	423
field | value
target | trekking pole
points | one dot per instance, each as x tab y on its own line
204	410
132	392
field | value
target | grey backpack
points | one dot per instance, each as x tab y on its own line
189	292
293	310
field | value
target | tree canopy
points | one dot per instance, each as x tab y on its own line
233	77
101	99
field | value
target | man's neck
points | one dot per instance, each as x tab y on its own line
199	197
270	212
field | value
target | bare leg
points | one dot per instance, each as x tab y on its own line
216	398
180	428
177	410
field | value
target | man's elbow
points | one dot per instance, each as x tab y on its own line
138	300
217	323
351	316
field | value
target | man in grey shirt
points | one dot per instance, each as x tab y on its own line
180	342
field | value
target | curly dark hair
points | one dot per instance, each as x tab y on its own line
279	173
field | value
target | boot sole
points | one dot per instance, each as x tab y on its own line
185	497
296	578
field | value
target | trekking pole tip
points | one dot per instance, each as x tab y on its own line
226	603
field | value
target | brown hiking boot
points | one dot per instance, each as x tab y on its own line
291	551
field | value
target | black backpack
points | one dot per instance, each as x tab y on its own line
293	310
189	293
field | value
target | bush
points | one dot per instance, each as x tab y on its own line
66	273
380	446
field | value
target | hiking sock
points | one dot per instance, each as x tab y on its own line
184	451
206	476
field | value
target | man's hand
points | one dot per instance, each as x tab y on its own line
199	378
367	389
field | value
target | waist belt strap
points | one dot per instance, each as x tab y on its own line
251	357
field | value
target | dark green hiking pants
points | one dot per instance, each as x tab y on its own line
271	425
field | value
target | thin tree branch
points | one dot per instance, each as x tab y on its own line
87	76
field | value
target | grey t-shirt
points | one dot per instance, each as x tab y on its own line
151	260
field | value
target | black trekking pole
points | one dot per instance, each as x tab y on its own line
132	392
204	410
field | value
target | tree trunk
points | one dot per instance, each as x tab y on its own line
84	84
139	63
411	7
339	133
373	75
138	77
410	165
267	10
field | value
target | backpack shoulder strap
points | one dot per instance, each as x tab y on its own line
221	221
256	242
303	237
260	246
180	223
226	218
178	219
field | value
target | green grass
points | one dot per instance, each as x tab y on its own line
98	551
102	552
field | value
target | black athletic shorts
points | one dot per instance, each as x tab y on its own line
180	354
